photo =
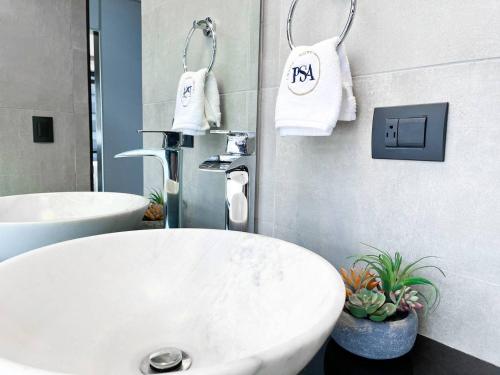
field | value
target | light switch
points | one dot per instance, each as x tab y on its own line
411	132
43	129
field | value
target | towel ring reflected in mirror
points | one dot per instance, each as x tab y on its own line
342	36
208	27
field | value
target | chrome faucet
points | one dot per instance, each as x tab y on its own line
238	166
170	157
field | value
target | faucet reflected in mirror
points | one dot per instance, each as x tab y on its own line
170	157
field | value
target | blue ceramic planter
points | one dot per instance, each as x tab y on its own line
373	340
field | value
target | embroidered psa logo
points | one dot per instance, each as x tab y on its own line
187	91
304	73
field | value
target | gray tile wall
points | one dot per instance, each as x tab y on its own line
166	24
328	195
43	72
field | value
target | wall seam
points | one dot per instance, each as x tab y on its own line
423	67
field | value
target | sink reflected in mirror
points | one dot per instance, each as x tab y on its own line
35	220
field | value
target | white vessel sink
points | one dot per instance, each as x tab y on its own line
35	220
237	303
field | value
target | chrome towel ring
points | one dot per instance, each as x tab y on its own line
344	33
208	27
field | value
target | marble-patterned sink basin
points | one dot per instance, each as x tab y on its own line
238	304
34	220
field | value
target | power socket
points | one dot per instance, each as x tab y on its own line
391	132
410	132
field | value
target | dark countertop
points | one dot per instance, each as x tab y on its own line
428	357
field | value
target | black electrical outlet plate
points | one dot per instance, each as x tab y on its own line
432	117
187	141
43	129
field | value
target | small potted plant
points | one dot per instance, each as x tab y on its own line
383	293
154	215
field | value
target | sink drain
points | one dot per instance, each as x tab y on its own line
166	360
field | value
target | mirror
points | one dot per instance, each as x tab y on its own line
95	72
165	29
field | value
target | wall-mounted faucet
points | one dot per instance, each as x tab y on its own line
170	157
238	166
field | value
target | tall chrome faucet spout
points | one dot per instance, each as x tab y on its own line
170	158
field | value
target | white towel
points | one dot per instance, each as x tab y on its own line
348	106
212	101
315	91
198	103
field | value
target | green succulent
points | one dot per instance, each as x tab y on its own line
370	304
156	197
394	275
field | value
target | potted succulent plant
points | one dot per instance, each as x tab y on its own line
383	293
154	215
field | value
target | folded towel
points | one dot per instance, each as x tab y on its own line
315	91
198	103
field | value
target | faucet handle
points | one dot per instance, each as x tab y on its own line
172	139
238	142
